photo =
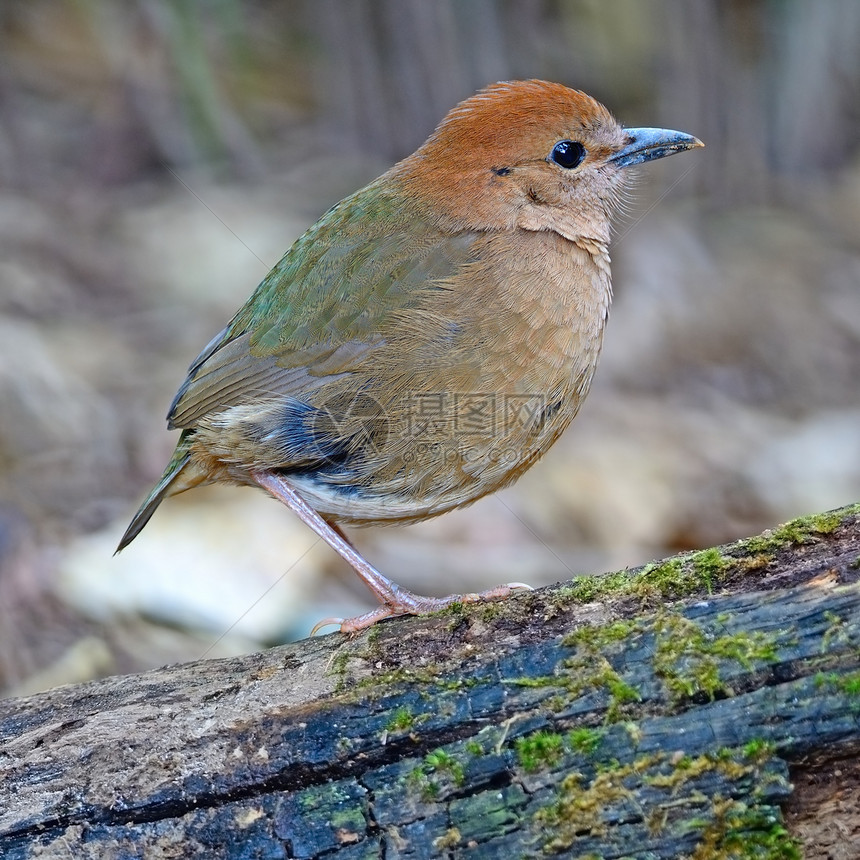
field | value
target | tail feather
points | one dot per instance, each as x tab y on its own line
163	488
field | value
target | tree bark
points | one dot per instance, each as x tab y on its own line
705	706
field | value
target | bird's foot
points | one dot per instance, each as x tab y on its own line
407	603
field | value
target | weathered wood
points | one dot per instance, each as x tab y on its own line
661	712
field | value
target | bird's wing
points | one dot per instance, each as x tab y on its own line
323	308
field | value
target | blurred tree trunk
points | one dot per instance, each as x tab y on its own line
772	88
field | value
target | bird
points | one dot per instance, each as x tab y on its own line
429	338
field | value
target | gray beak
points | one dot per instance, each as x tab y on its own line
646	144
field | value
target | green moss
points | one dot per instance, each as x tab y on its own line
403	720
826	523
450	839
490	610
764	544
729	828
442	762
634	732
848	684
419	782
556	703
348	818
599	636
585	740
746	648
588	670
621	693
837	630
437	766
608	766
741	830
474	748
689	659
338	669
456	613
702	571
372	638
798	531
758	749
538	682
428	676
680	771
588	589
710	566
672	578
748	563
579	808
538	750
592	671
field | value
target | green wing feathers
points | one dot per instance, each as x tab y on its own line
332	300
332	309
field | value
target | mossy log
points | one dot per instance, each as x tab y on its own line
706	706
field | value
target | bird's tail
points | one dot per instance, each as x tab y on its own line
165	487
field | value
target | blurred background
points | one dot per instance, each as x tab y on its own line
158	156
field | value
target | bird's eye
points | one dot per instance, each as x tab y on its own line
568	153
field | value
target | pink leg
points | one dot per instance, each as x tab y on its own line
395	600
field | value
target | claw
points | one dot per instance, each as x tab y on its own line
413	604
325	622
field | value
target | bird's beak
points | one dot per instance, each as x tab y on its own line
646	144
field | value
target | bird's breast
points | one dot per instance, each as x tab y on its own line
476	382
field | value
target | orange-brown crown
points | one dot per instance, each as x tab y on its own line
508	114
487	165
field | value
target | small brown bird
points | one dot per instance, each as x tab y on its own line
430	337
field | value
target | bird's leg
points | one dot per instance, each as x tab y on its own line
336	528
394	599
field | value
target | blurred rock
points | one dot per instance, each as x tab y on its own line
59	437
226	560
88	658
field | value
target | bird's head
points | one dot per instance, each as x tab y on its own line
532	155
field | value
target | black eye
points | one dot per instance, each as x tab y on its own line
568	153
